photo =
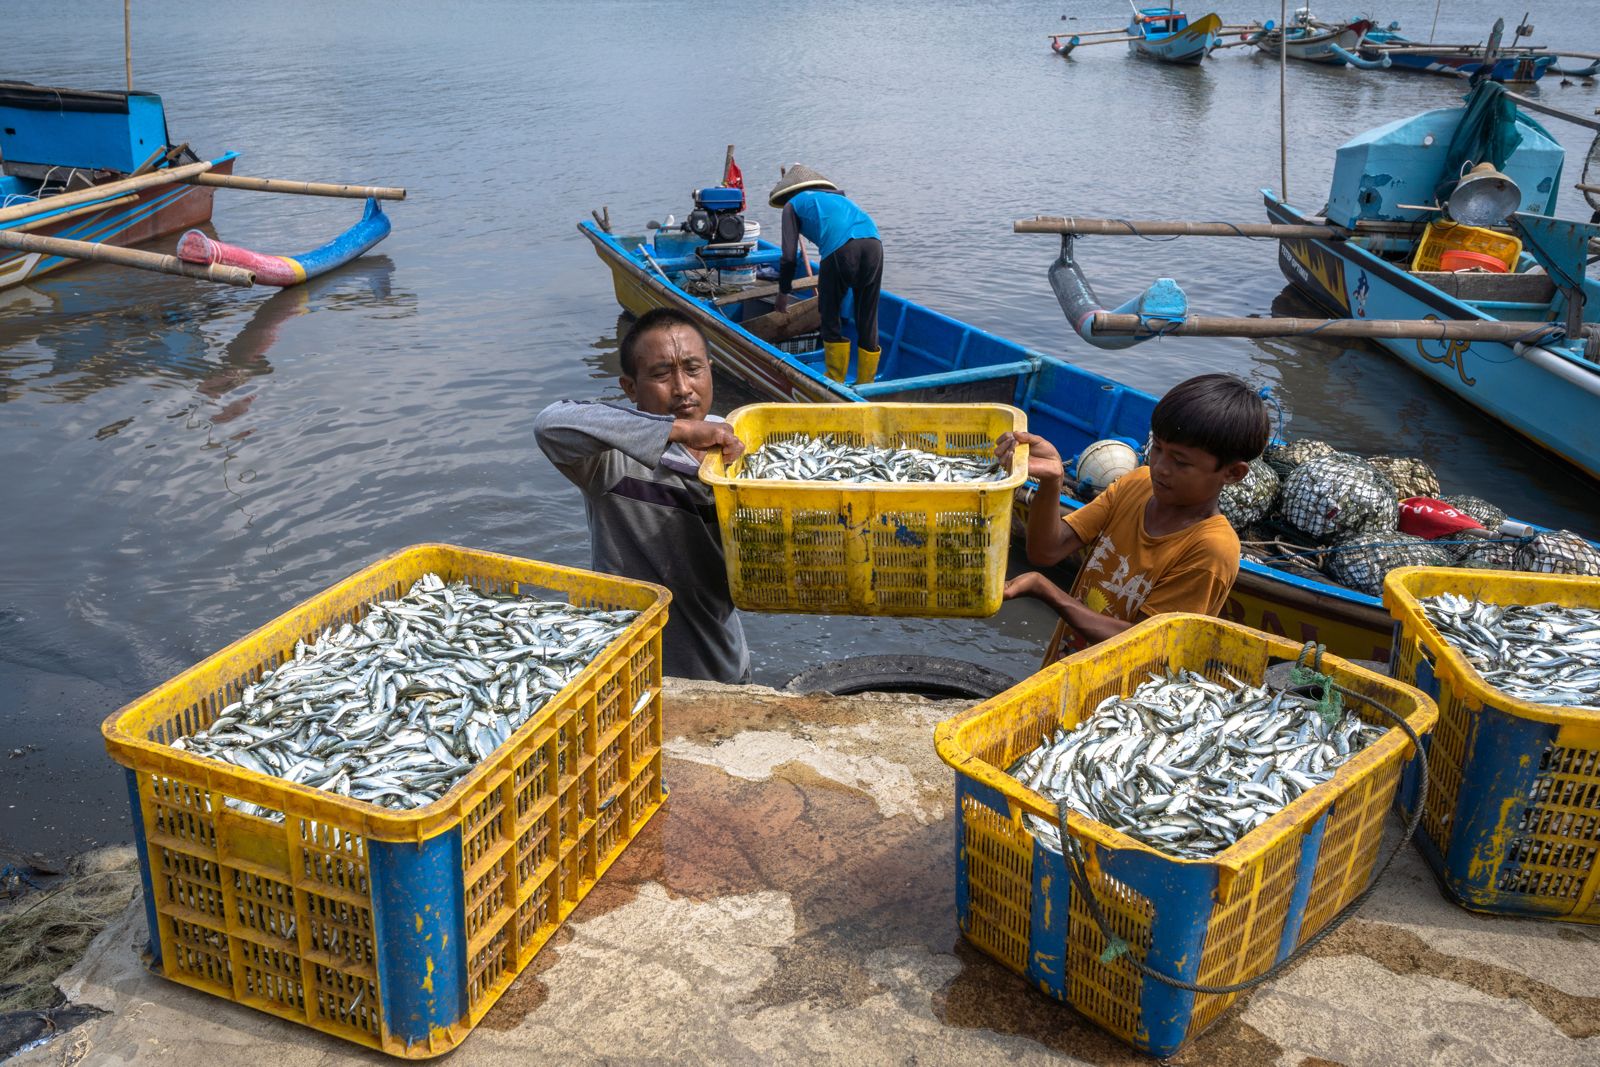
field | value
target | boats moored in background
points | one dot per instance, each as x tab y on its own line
1160	33
1314	41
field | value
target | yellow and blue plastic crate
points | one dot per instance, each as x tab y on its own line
395	930
1209	922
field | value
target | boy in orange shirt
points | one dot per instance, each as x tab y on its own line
1157	541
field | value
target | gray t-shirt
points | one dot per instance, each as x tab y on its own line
651	518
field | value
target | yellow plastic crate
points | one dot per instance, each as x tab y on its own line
1212	921
395	930
1441	237
869	549
1511	824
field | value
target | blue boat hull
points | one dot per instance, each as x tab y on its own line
1553	402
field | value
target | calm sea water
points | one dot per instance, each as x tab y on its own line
184	462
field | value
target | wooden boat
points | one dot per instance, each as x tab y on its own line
927	357
1160	33
1513	65
56	141
86	175
1521	344
1313	41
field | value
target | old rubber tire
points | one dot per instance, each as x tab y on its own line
929	676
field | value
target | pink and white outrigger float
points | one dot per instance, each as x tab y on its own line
196	247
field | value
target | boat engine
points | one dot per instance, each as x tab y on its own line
716	216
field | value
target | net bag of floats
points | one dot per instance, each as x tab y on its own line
1409	476
1478	508
1285	458
1247	502
1331	497
1362	560
1557	552
1487	555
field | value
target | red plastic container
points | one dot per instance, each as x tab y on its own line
1460	259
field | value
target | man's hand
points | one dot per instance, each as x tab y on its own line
700	436
1044	462
780	303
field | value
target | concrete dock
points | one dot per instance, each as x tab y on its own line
794	901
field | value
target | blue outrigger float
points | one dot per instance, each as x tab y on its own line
1520	341
931	357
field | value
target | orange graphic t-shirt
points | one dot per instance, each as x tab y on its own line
1131	575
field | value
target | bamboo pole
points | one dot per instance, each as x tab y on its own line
1546	109
1088	33
124	257
1105	40
127	40
279	185
104	190
1083	227
1582	188
86	209
1283	101
1107	322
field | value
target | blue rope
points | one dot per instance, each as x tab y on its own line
1266	394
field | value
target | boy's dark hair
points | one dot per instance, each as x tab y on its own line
1218	413
654	319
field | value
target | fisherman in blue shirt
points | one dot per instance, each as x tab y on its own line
852	261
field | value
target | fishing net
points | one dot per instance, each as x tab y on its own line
1558	552
1411	476
1361	560
43	934
1285	458
1488	555
1248	501
1334	496
1478	508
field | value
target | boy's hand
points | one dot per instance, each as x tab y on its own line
1044	462
699	435
1031	584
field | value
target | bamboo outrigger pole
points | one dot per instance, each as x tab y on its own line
62	216
124	257
1109	322
1082	227
279	185
104	191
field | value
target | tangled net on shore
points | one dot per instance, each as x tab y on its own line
44	933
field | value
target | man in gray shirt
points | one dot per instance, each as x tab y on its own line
650	516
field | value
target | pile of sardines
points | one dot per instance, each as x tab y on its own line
1542	653
396	708
1189	766
830	459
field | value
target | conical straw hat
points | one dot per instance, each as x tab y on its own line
797	178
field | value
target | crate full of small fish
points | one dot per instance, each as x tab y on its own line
1220	821
868	509
1511	823
370	814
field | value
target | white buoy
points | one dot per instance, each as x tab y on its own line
1104	462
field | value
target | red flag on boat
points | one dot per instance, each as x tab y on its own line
733	178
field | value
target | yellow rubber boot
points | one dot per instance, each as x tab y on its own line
867	365
836	358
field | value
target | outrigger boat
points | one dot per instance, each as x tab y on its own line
931	357
1314	41
1520	341
1160	33
86	175
1514	63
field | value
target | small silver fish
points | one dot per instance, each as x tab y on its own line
1188	765
830	458
1542	653
396	708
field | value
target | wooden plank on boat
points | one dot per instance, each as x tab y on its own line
756	292
802	317
124	257
1108	322
280	185
1084	227
1482	285
86	209
104	191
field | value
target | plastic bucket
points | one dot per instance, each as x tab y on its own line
1460	259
